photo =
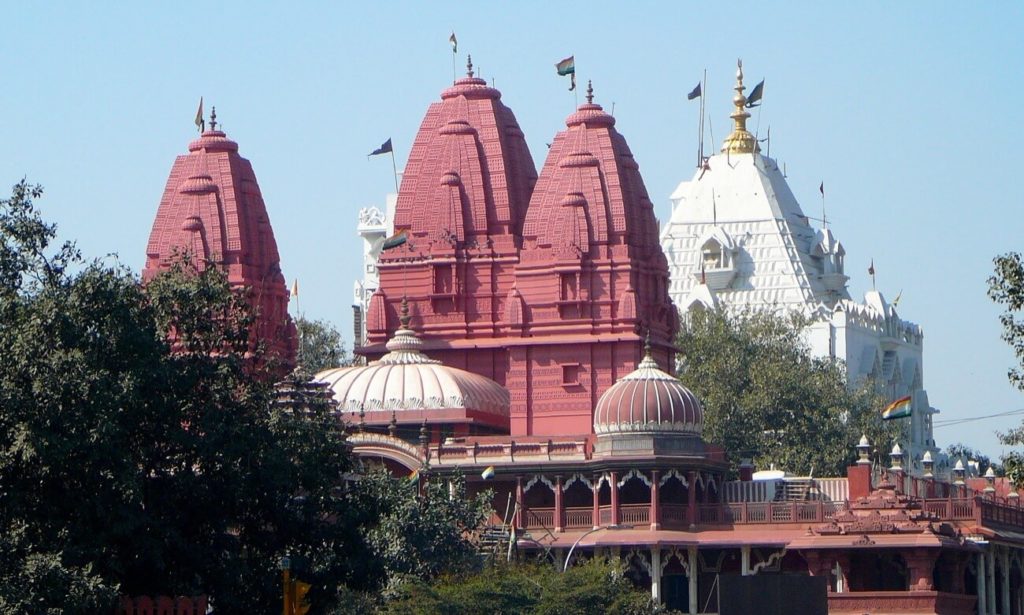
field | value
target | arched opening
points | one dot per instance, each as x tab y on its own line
673	495
637	570
634	491
675	584
878	571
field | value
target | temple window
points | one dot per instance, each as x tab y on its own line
568	286
443	279
712	255
571	374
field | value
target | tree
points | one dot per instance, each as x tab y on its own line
126	466
1006	288
320	346
768	399
595	586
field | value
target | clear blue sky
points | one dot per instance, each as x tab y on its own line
907	111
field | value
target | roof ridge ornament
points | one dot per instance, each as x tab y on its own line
213	118
590	92
740	141
469	65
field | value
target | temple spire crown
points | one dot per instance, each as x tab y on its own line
590	92
469	65
213	118
740	141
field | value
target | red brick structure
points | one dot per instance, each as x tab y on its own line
212	210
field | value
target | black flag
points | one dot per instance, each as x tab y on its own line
694	93
755	95
383	149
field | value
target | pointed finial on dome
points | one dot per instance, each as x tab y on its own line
393	425
590	92
740	141
424	438
213	118
469	65
362	419
405	318
648	360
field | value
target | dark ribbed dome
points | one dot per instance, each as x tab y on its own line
648	400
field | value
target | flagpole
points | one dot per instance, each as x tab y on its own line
394	168
700	137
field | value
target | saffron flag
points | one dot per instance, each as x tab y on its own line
694	93
454	41
755	95
898	409
395	240
200	122
385	148
295	288
488	473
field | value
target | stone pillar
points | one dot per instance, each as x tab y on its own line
843	582
656	575
691	499
655	513
990	582
691	574
597	502
520	502
920	563
745	560
1004	563
981	589
615	497
559	512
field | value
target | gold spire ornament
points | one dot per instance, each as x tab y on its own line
740	141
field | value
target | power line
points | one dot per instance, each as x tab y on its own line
950	422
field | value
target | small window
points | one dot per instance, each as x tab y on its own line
442	279
568	286
571	374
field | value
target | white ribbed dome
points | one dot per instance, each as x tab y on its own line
406	379
648	400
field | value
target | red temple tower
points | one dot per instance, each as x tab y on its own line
462	204
212	210
591	282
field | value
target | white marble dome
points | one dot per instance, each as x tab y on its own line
648	400
406	379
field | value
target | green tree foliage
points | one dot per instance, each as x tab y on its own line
126	467
1006	287
320	346
766	398
596	586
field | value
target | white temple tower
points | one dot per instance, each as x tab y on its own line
738	238
374	227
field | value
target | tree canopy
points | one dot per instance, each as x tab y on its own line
1006	288
131	464
320	346
766	398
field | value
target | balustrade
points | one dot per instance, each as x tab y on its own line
579	517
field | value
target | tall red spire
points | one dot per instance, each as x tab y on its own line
212	208
462	203
592	278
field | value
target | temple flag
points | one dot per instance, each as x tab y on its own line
454	41
568	67
898	409
395	240
295	288
414	477
755	95
488	473
694	93
871	267
200	122
821	188
385	148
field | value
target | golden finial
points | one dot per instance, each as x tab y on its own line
740	141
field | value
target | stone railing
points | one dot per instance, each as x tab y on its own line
460	453
914	601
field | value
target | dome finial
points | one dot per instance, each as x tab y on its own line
647	345
393	425
590	92
740	141
469	65
405	318
213	118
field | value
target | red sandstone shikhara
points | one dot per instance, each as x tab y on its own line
528	332
213	212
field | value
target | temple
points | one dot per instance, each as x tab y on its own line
737	238
212	214
520	328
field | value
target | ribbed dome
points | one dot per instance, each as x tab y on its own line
407	379
648	400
